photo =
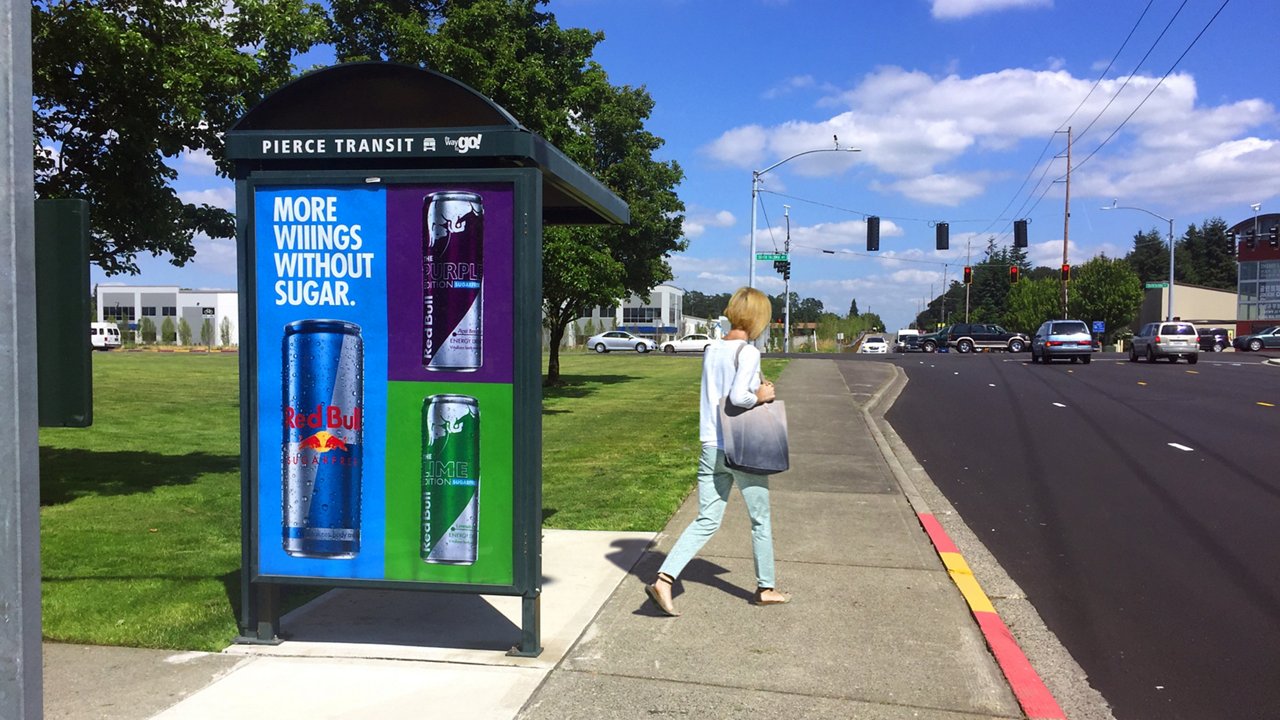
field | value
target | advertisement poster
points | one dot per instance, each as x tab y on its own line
385	403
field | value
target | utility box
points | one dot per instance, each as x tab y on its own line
64	353
389	226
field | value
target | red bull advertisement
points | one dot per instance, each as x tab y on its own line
453	281
323	412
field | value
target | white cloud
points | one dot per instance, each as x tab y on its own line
957	9
198	162
215	260
938	189
222	197
912	127
798	82
696	222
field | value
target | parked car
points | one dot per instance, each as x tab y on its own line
1062	339
103	336
1170	340
874	345
1269	338
968	337
619	340
689	343
1214	339
935	341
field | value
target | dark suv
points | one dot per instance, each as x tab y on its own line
968	337
1213	339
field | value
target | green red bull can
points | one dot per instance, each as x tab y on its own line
450	479
323	413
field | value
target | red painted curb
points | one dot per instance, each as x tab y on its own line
1032	694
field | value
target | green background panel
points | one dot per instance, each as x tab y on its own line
404	484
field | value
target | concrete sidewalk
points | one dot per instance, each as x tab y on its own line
876	628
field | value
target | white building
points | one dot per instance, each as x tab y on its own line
132	303
660	319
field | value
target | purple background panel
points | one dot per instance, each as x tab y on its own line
404	283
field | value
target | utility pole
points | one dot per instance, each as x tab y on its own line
786	312
945	287
1066	225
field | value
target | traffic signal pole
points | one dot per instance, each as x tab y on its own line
786	286
1066	225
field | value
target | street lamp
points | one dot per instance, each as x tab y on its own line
1169	311
755	191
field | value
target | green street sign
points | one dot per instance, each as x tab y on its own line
1155	285
771	256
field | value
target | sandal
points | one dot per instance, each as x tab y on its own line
779	597
665	605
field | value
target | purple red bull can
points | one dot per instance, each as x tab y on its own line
452	281
323	413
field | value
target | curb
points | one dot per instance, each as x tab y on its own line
1028	688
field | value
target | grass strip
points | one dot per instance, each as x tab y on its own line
140	514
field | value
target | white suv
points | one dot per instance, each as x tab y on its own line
1171	340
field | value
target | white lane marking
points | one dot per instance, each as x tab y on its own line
1183	448
991	384
1059	405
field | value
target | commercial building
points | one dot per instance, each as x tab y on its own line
1258	252
132	303
660	318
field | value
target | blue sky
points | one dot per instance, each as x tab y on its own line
951	102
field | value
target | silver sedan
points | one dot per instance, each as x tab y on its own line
620	340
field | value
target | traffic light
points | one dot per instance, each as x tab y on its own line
1013	274
777	266
786	269
873	233
944	235
1066	273
968	275
1231	243
1019	233
1274	237
1251	239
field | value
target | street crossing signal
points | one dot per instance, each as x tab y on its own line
1066	273
873	233
1019	233
1013	274
968	275
944	235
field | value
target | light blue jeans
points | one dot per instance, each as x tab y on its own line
714	481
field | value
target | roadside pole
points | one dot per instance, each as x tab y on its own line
786	288
20	652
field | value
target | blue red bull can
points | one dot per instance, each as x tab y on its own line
452	281
323	413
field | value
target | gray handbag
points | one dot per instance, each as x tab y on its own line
755	438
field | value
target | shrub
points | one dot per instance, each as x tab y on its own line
147	329
206	332
184	331
168	333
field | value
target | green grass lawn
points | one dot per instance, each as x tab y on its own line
140	514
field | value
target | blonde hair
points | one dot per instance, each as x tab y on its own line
748	310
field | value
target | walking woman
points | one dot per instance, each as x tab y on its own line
730	368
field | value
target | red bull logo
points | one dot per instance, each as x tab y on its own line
323	442
329	417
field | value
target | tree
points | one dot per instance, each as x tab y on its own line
1105	289
853	308
1149	257
543	74
120	86
1202	256
147	329
168	332
126	337
184	332
808	310
1031	302
225	331
206	333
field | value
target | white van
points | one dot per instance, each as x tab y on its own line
104	336
902	344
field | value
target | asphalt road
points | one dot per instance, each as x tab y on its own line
1134	503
